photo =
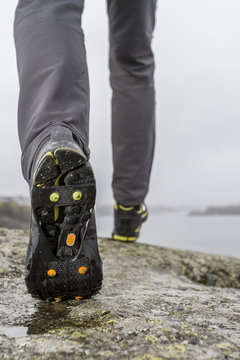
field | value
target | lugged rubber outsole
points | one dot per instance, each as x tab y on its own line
63	198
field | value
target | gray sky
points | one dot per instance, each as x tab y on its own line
197	53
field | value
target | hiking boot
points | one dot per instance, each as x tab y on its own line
62	258
128	221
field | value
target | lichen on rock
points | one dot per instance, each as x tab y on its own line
155	303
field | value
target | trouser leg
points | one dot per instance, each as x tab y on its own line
53	74
131	24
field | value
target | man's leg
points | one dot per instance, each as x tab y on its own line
131	24
62	259
53	75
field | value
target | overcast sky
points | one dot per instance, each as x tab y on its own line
197	53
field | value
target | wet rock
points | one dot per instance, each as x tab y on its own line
156	303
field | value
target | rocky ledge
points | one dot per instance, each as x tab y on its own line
156	303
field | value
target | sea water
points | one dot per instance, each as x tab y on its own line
210	234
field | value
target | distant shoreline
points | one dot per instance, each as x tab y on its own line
231	210
15	211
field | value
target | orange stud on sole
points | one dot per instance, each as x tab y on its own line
82	270
57	299
51	273
78	297
71	239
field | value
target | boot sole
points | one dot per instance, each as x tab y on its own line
63	198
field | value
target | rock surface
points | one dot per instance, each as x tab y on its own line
156	303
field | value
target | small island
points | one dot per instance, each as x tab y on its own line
217	210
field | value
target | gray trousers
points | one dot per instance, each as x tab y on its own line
54	84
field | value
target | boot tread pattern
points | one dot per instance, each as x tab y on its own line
63	198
